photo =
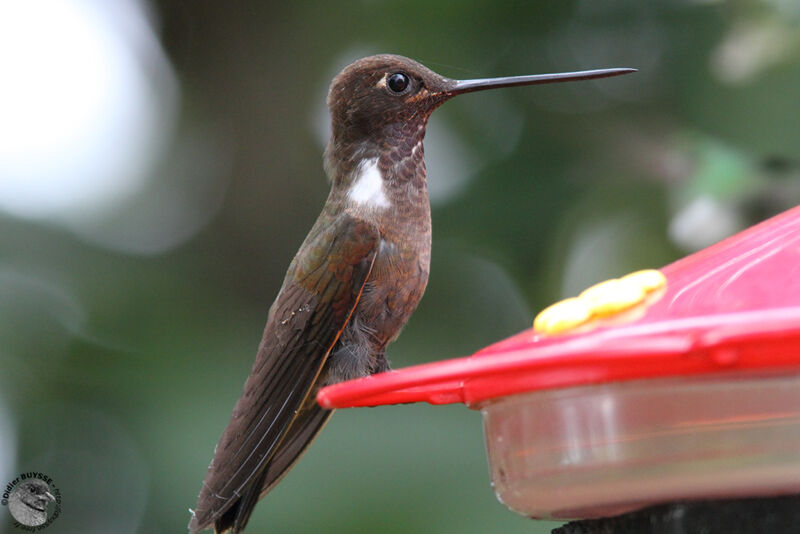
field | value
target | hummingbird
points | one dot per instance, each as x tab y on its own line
354	282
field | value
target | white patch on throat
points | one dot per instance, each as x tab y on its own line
367	186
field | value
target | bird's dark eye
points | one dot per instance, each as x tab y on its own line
397	82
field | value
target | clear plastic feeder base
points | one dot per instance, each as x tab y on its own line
596	451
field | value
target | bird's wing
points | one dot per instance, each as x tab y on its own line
319	294
308	424
305	427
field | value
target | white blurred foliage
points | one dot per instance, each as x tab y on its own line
704	221
89	106
87	99
752	47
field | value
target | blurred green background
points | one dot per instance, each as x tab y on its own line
160	162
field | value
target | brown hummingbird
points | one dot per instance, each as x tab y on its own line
354	282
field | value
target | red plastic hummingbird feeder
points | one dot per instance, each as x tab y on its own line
697	395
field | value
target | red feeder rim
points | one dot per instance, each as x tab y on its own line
732	307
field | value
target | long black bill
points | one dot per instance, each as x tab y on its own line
468	86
